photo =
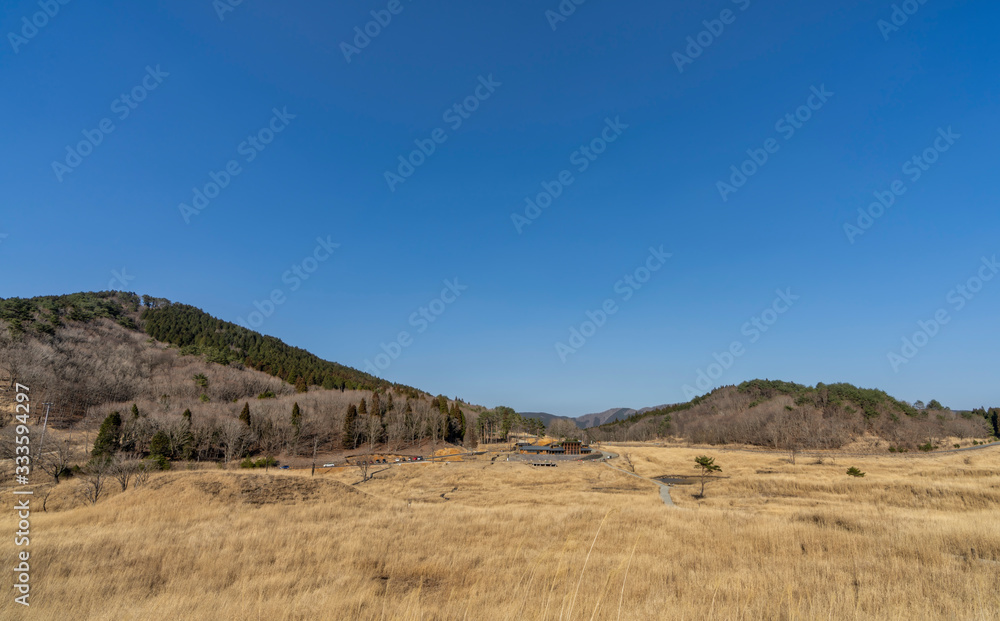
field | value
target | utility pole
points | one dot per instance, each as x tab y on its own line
48	406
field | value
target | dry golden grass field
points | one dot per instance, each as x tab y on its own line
917	538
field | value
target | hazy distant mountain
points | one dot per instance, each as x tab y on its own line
590	420
546	418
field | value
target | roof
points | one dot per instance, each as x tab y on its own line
535	448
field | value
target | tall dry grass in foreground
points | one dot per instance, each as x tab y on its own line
917	538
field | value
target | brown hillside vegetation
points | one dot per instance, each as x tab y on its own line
916	538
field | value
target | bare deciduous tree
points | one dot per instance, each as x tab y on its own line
123	468
55	462
141	475
235	439
95	476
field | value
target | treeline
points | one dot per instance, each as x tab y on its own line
193	331
498	424
378	421
45	314
873	403
196	332
991	416
268	427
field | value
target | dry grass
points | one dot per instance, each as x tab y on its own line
917	538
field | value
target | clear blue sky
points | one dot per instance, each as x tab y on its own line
323	175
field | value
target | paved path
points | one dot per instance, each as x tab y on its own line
664	488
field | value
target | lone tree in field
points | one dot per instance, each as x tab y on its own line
707	466
854	472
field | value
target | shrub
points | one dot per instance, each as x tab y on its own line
854	472
263	462
159	446
267	394
158	462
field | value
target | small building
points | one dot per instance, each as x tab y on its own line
572	447
567	447
536	449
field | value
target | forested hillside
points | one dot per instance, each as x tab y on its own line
197	332
785	415
168	381
191	329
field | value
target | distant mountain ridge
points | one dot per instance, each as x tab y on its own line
595	419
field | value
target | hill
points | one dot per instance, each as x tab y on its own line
181	374
785	415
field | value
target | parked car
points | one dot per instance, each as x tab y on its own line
284	467
330	465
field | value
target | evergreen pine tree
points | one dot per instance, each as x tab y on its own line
350	421
160	445
187	417
300	385
362	407
108	437
135	411
376	405
245	414
296	418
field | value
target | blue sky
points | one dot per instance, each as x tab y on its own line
213	83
